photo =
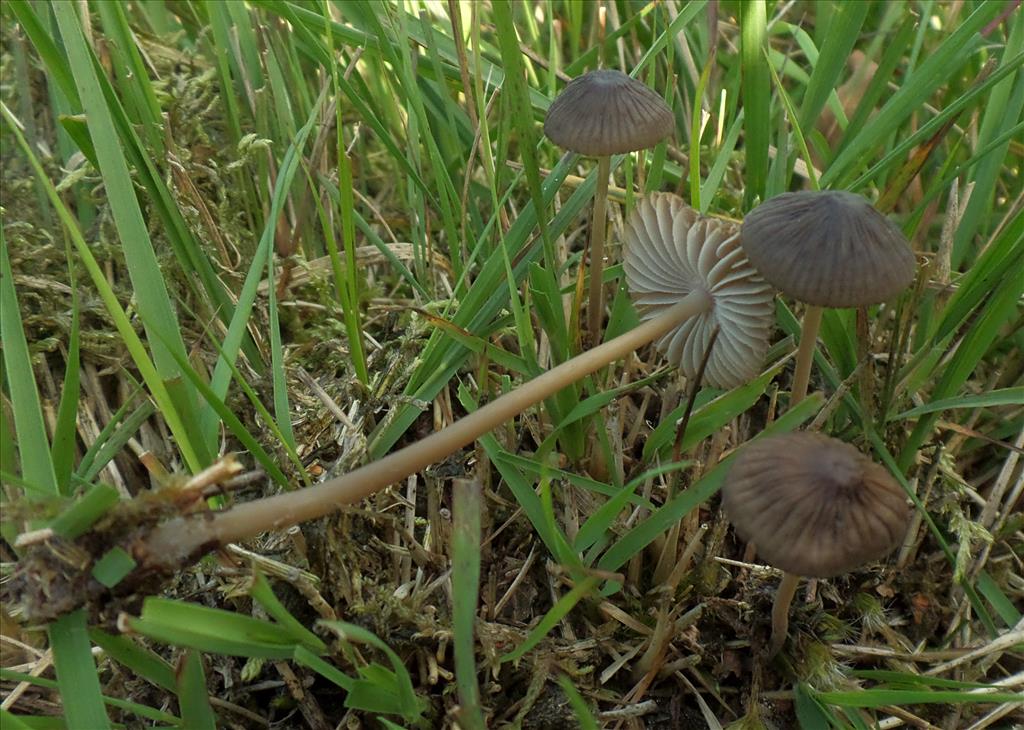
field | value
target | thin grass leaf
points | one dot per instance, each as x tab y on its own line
516	94
579	706
212	630
236	330
555	614
33	446
234	424
151	293
843	31
467	504
113	438
951	54
62	450
282	409
132	75
379	684
1002	108
143	711
756	102
1001	397
140	660
76	672
191	690
809	712
999	309
132	342
263	594
711	412
672	511
599	523
1003	605
884	697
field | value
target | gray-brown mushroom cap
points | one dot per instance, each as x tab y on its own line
813	505
829	248
671	250
606	112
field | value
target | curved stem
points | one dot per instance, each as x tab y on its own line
182	537
805	355
780	612
595	308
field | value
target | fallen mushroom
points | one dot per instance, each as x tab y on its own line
599	114
827	249
815	506
706	282
694	278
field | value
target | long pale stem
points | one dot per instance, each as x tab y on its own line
595	309
780	612
805	355
182	537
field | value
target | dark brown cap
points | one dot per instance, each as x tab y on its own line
813	505
670	250
829	248
606	112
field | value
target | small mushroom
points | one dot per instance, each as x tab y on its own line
599	114
698	250
815	506
670	250
827	249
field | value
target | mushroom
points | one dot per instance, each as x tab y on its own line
694	277
671	250
827	249
599	114
815	506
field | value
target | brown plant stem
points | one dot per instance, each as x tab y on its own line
780	612
805	355
183	538
595	308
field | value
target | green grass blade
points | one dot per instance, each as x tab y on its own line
672	511
37	467
756	101
62	451
140	660
191	690
466	508
950	55
842	33
1002	108
151	293
557	612
76	672
236	330
1001	397
212	630
134	707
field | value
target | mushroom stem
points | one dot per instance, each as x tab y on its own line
780	612
183	538
595	309
805	355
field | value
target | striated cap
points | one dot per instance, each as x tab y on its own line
814	505
830	249
606	112
670	250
